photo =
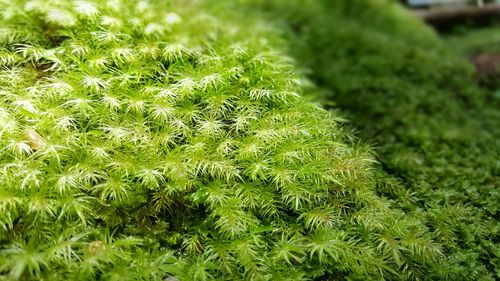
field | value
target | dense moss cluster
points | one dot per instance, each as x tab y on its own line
436	131
174	141
144	140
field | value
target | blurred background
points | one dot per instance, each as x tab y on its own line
471	26
416	3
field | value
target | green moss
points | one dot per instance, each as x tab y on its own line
435	130
146	140
470	41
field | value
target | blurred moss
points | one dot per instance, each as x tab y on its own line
469	40
417	99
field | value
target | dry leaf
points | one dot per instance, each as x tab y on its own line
96	247
35	141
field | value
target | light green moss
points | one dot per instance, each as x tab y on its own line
146	140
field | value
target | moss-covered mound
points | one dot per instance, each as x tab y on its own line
145	140
436	132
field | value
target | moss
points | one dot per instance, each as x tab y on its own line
435	130
141	141
470	41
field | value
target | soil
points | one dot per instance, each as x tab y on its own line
486	64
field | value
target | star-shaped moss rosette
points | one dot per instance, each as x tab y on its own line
145	140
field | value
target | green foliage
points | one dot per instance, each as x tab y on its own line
481	46
475	40
435	130
145	140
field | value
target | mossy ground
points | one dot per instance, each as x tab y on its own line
145	140
436	131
